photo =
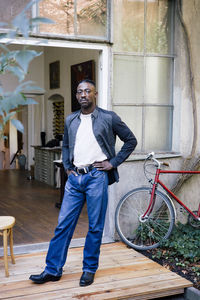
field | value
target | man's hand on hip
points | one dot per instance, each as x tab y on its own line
71	172
103	165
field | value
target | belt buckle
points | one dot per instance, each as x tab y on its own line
84	170
77	170
81	171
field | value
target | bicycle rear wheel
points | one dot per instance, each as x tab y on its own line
149	233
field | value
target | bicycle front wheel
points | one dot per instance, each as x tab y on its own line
148	233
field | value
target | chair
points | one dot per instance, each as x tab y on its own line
6	229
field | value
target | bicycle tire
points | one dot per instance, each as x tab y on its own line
149	234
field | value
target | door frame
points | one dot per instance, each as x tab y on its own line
104	67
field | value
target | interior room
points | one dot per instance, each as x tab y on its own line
31	176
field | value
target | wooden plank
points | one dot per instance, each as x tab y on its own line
112	290
111	281
74	263
105	275
122	274
37	266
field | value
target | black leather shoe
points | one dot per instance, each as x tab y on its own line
87	278
44	277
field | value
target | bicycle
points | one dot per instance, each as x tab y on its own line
145	216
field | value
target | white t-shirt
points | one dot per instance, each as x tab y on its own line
86	149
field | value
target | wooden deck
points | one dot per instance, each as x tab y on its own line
123	274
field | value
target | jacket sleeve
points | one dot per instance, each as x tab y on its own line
65	148
126	135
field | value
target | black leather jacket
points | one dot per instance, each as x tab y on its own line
106	126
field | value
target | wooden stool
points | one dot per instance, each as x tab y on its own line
6	226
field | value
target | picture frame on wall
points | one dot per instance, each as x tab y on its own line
84	70
54	75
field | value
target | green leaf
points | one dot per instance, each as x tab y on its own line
18	125
33	88
11	35
24	57
38	20
23	85
11	101
29	101
4	47
8	116
30	4
21	23
28	86
17	71
7	59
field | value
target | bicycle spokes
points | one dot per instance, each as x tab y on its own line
144	232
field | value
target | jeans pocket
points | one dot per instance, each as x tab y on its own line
96	173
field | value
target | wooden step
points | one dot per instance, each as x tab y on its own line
123	274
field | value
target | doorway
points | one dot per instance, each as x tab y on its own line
33	202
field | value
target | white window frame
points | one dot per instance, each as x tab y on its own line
173	137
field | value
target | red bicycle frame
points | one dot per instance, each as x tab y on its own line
158	181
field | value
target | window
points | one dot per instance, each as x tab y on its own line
143	70
82	19
76	18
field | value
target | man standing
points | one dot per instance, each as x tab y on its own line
91	164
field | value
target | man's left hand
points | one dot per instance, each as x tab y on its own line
103	165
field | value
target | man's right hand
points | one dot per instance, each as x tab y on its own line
71	172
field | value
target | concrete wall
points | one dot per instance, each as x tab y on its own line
191	16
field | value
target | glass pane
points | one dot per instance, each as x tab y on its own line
158	126
11	8
132	116
91	17
128	79
159	26
61	12
158	80
129	25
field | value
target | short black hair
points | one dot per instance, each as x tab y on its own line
88	81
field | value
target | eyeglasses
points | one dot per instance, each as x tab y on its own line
87	91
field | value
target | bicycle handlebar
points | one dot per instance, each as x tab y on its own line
151	156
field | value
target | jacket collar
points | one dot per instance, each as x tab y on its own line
94	113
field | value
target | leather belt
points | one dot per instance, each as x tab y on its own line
83	170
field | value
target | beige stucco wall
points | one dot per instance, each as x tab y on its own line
189	193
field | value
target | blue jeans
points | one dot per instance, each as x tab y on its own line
92	187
